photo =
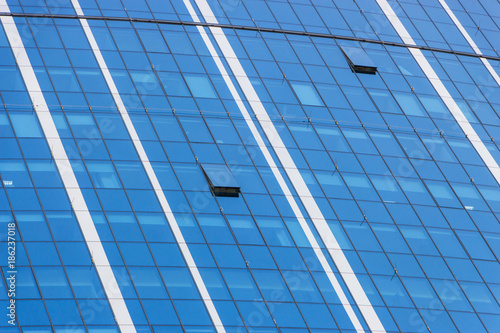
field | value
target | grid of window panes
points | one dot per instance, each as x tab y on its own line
427	21
410	201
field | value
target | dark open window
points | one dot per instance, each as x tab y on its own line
359	61
221	180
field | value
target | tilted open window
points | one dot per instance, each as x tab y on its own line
358	60
221	180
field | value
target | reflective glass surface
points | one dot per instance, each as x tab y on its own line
146	108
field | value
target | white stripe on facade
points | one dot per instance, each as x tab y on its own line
286	161
101	263
442	91
469	40
151	174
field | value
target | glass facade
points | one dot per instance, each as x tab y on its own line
360	201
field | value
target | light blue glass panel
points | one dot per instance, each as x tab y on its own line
155	227
360	187
26	125
44	173
418	240
451	295
274	231
14	173
64	79
409	104
415	191
215	229
359	140
153	41
245	229
126	39
11	79
447	243
133	175
475	245
26	286
124	226
443	194
306	93
481	298
470	197
422	293
200	86
103	174
390	238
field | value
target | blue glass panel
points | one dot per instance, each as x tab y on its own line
42	253
255	313
179	283
317	315
286	314
192	312
228	256
63	311
467	321
241	284
219	175
136	254
480	298
215	284
26	125
52	282
155	227
64	226
31	312
14	173
413	210
228	313
245	230
147	282
85	282
26	286
97	312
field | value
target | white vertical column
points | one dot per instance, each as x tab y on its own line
150	173
294	175
450	103
101	263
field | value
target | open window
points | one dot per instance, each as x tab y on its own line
358	60
221	181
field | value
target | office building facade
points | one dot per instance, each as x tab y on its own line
250	166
